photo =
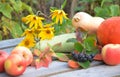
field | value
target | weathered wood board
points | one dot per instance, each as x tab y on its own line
97	71
8	45
61	69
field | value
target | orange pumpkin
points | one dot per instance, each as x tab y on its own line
109	31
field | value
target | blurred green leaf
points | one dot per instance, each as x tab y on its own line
63	5
93	51
17	5
0	36
53	8
115	10
6	9
84	64
62	57
78	46
102	12
105	1
14	27
26	7
89	43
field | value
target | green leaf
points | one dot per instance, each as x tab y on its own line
13	27
115	10
26	7
17	5
89	43
6	9
105	1
53	8
62	57
84	64
102	12
16	30
0	35
93	51
78	46
64	3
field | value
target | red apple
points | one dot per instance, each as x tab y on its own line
111	54
15	65
25	52
3	57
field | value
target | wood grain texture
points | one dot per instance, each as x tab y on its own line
8	45
98	71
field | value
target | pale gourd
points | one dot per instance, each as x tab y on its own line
86	22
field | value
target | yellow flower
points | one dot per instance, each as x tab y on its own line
46	33
29	32
48	25
59	15
33	21
27	42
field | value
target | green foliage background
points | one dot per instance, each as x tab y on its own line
11	12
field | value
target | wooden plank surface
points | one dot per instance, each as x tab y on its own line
98	71
8	45
61	69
